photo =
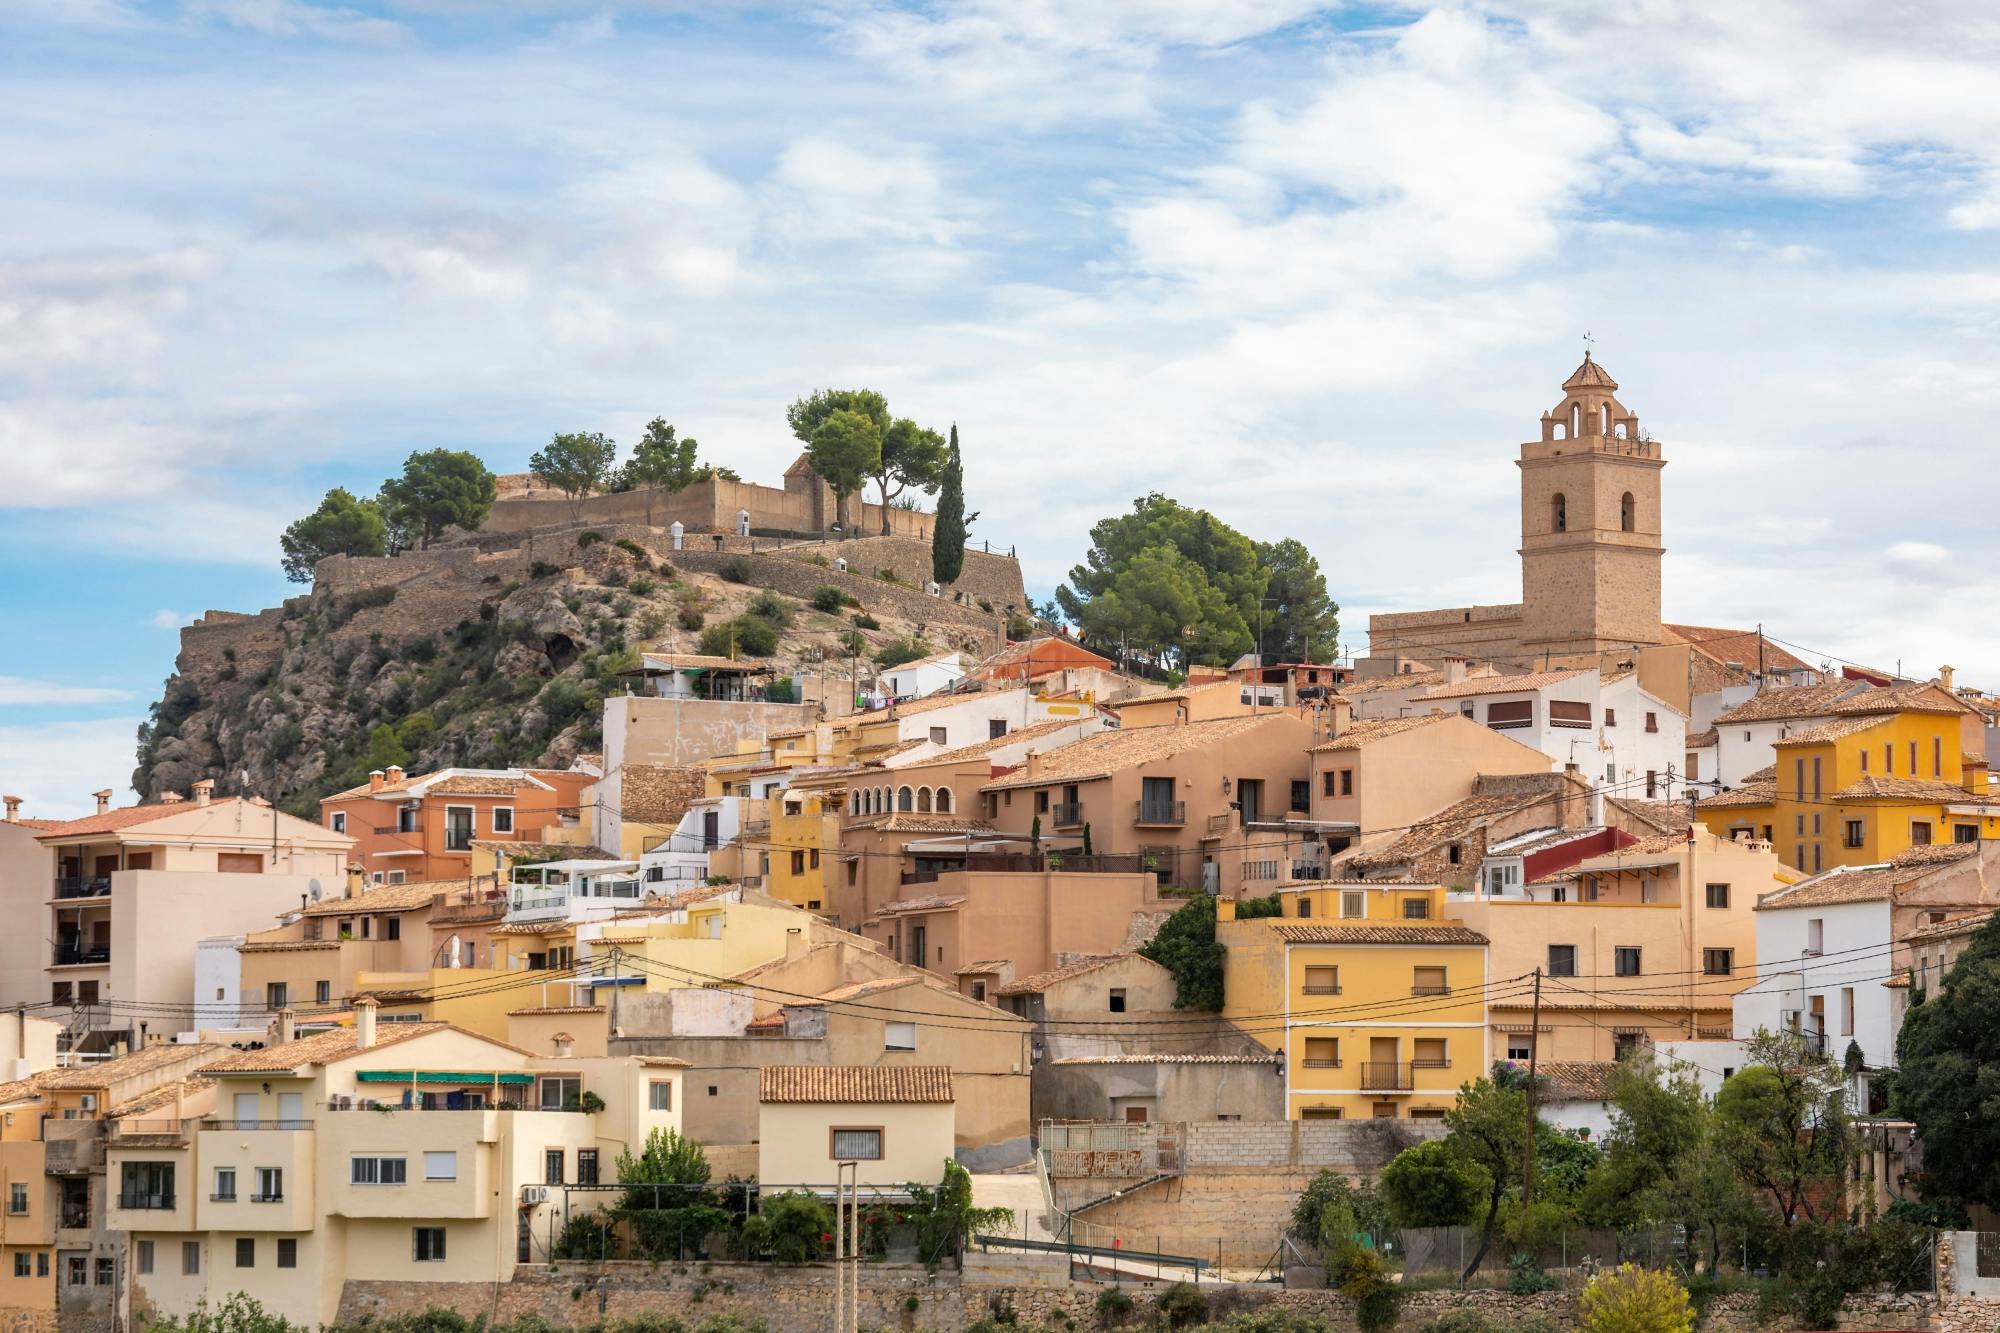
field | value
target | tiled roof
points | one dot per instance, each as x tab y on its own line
22	1089
705	662
319	1049
1701	740
1377	934
1666	816
1115	751
142	1061
929	703
1875	788
556	1009
1768	773
1944	930
124	817
855	990
1735	645
1935	854
1747	794
984	966
1041	981
1843	884
1791	701
164	1095
905	822
930	902
854	1083
1050	728
285	946
1589	375
1533	680
1367	731
1838	729
1579	1080
1163	1058
1455	821
532	928
388	898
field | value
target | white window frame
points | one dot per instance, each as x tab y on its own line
893	1030
268	1176
337	821
509	830
398	876
1353	903
471	824
658	1091
220	1172
368	1169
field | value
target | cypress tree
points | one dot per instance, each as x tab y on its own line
948	536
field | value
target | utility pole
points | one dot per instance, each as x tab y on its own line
1534	1052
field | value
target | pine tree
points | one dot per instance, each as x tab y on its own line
948	537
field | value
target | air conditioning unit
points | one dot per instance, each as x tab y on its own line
88	1101
534	1194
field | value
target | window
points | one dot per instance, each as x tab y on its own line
1354	902
1913	758
1322	1052
1511	714
1854	833
995	729
1816	777
937	736
270	1185
1847	1011
560	1090
1327	783
1562	960
107	1272
1568	713
1041	802
1117	1000
1718	962
427	1245
1416	909
190	1257
1305	907
798	863
440	1166
1429	981
392	928
1322	981
1431	1053
225	1184
276	995
77	1272
1347	782
503	819
1965	833
899	1036
1625	961
1627	512
856	1145
458	828
1920	833
660	1095
338	821
377	1170
406	819
1652	783
17	1197
22	1268
1301	794
1652	721
246	1252
978	990
322	992
586	1166
288	1252
552	1166
1816	936
1558	513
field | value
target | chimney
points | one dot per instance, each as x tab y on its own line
1339	715
287	1026
395	777
565	1046
364	1023
1945	674
795	945
172	798
1596	806
103	800
13	808
374	779
1454	670
203	790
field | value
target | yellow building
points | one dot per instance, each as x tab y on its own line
1377	1000
408	1152
1857	790
893	1122
707	941
802	841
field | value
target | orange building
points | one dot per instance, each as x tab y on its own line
407	829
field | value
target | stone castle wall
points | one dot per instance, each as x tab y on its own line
805	504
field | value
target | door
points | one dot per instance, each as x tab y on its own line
1383	1071
292	1107
246	1107
458	829
711	829
918	939
1250	797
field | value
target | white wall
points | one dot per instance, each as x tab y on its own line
1788	981
218	983
1709	1059
967	722
916	679
1619	755
682	861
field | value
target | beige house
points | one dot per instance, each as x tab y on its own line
1197	804
315	958
169	875
1033	918
893	1123
412	1151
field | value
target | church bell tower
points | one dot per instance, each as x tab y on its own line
1590	526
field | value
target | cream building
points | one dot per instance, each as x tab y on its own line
893	1122
410	1151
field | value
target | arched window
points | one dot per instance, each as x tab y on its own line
905	799
1575	420
854	802
944	800
1604	419
1627	511
923	800
1558	513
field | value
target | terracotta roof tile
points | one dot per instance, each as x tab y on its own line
706	662
930	902
1377	934
1040	730
1944	930
556	1009
1533	680
1164	1058
22	1089
906	822
1367	731
1735	645
164	1095
854	1083
1746	794
1579	1080
1041	981
984	966
1873	787
319	1049
1843	884
142	1061
387	898
1111	752
1838	729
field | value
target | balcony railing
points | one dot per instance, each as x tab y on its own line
1386	1076
1322	1062
1163	814
1066	814
1218	823
69	955
756	830
383	830
161	1202
268	1198
1322	988
83	886
1430	988
244	1125
74	1217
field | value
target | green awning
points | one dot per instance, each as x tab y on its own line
437	1076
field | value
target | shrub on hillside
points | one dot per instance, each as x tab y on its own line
1635	1300
737	570
744	636
771	606
828	598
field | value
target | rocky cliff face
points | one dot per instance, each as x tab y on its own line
481	658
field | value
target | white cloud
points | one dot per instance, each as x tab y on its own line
16	690
296	18
55	766
167	618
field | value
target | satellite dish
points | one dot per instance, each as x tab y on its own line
313	885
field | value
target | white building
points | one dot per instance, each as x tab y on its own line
680	860
926	675
953	721
572	890
1614	732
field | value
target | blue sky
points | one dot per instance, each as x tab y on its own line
1318	268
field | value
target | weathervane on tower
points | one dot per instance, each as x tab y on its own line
1588	340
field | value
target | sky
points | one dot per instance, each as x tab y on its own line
1316	268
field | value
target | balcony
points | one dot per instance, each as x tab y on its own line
1162	814
1066	814
83	886
1219	823
150	1202
1311	988
278	1197
75	1217
70	955
1387	1076
415	826
454	914
1308	871
1430	988
1322	1062
245	1125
